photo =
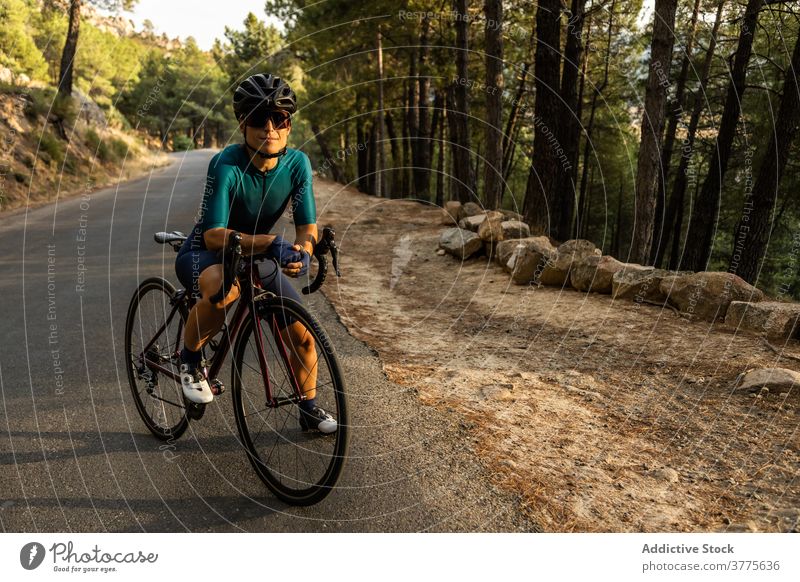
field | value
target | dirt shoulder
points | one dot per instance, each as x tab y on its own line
600	415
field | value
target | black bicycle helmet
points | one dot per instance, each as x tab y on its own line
263	91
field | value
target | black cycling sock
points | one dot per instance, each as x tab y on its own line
308	405
191	358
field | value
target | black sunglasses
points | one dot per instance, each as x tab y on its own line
280	119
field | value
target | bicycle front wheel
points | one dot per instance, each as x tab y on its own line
300	466
151	322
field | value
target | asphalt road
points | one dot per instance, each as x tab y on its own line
74	455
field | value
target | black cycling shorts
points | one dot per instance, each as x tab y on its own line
190	263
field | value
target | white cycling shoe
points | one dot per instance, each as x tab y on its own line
195	386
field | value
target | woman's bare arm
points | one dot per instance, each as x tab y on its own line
252	244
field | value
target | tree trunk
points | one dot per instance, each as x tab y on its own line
372	160
437	112
509	143
397	161
463	183
674	215
380	178
570	126
754	227
330	161
517	110
675	112
361	156
493	174
421	145
404	183
618	228
590	124
542	204
440	166
705	210
70	48
648	165
413	122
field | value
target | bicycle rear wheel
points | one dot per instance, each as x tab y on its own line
158	398
300	467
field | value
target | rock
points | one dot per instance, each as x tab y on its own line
515	229
777	320
472	223
460	243
775	379
567	253
594	273
472	209
529	258
706	295
452	213
89	110
6	76
440	252
639	283
511	215
504	251
490	230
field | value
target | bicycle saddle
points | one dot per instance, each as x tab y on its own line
168	237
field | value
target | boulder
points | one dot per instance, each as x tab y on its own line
472	209
472	222
504	251
452	213
515	229
594	273
775	319
529	258
707	295
511	215
89	110
490	230
557	272
460	243
638	283
773	379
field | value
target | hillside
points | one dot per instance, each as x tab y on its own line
51	151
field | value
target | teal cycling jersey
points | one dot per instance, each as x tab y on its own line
240	197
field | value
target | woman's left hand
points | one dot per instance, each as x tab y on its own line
301	268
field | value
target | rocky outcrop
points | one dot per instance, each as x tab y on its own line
707	295
776	320
594	273
460	243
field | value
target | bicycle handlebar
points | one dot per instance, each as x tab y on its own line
232	267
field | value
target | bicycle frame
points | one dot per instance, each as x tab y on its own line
244	309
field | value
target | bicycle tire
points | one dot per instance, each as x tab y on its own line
326	451
149	402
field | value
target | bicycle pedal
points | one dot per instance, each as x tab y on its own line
217	387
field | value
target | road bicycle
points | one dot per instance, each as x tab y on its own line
299	466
